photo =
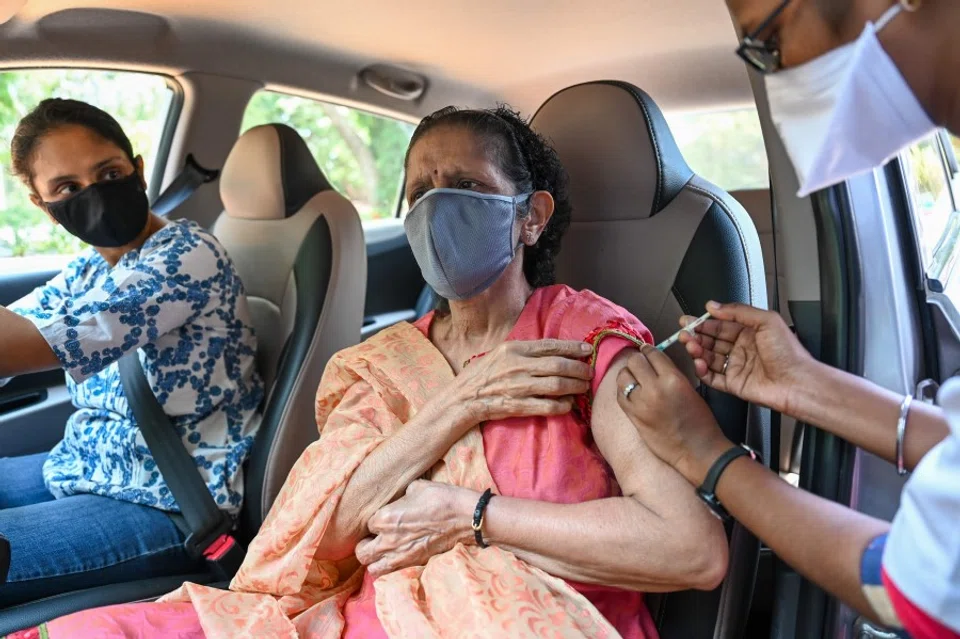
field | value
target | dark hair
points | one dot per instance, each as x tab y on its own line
527	160
52	114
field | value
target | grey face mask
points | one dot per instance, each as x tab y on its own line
463	240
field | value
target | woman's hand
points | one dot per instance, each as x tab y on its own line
525	379
430	519
516	379
673	420
748	352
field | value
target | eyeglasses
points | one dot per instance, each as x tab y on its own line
763	55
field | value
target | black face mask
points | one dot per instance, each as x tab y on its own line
106	214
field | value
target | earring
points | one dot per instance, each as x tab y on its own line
911	5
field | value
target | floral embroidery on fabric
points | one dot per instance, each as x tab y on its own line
40	632
181	302
614	328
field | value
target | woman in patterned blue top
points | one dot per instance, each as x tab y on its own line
93	510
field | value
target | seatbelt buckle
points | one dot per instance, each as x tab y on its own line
219	548
225	555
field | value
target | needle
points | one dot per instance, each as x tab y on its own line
670	341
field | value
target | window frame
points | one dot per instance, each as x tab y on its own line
952	181
165	144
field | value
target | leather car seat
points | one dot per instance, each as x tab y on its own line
652	236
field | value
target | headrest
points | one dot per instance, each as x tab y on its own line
617	148
270	174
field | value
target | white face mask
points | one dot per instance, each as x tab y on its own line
846	112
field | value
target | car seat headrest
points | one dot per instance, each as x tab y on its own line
270	174
623	162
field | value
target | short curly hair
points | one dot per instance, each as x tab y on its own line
527	160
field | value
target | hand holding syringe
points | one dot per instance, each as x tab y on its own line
689	328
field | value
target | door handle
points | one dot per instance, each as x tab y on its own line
16	401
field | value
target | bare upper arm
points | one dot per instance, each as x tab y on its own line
22	348
656	486
639	472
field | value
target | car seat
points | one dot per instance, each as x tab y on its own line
652	236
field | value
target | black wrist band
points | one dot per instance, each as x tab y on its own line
478	517
708	489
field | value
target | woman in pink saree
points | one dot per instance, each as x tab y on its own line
380	529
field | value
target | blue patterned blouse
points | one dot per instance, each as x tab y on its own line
181	302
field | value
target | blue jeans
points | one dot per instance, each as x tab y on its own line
83	541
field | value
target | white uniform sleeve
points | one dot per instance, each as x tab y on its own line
922	555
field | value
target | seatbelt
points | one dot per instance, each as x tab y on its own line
775	306
776	419
208	527
191	178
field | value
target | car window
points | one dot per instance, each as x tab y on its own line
140	102
724	147
360	153
931	189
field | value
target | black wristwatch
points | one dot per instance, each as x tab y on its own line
707	491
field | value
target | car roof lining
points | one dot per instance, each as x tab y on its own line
681	52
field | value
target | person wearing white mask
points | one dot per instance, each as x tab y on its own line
850	83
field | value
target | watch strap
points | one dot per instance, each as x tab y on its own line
708	489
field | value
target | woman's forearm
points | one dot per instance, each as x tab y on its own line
387	471
615	542
22	348
864	414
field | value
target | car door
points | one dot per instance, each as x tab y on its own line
34	408
886	247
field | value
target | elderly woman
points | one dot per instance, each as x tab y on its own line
386	526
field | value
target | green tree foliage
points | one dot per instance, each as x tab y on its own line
360	153
724	147
927	169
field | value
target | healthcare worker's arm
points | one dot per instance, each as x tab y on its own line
22	348
822	540
767	365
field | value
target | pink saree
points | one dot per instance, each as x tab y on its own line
285	589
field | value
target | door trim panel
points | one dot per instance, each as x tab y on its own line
38	427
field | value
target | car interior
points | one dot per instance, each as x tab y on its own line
681	187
